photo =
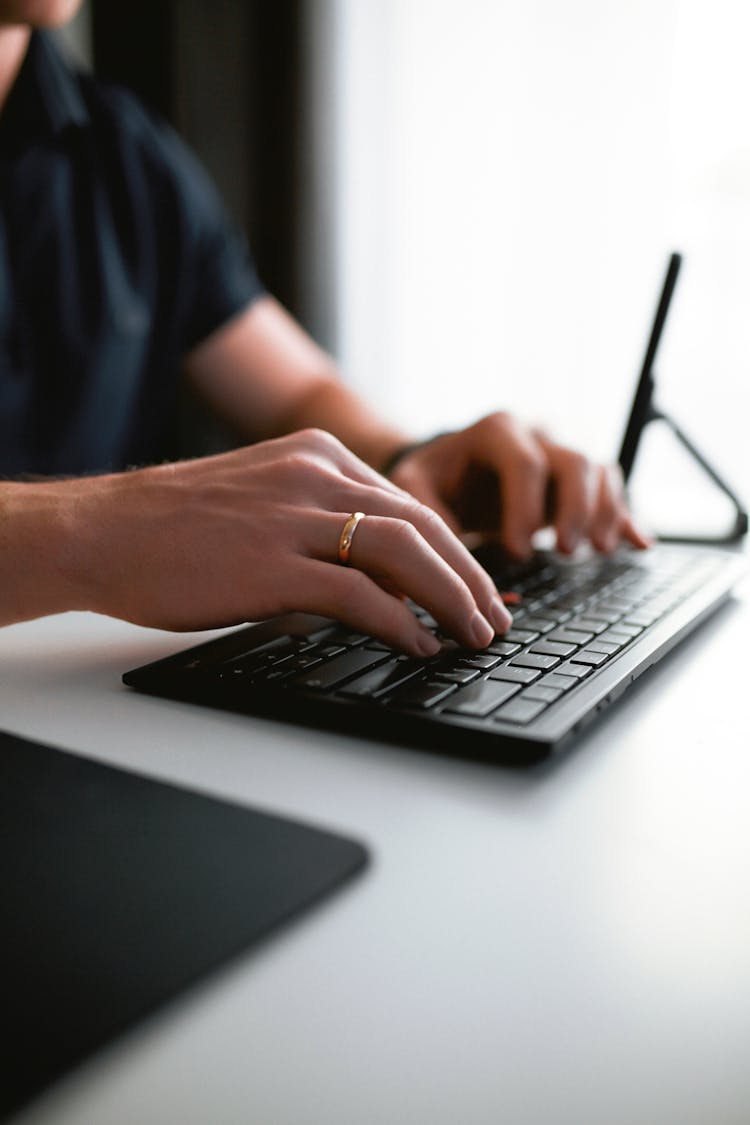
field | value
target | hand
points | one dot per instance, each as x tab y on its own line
506	481
255	533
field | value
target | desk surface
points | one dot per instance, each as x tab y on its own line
567	947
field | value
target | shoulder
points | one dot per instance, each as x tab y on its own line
117	115
138	145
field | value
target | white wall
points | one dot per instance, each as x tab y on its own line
498	186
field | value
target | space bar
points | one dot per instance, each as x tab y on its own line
481	699
341	668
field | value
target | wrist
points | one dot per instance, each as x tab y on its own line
38	548
402	451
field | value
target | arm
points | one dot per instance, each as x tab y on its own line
37	559
264	374
245	535
496	477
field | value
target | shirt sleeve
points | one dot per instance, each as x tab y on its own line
212	269
224	276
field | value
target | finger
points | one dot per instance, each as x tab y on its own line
352	597
395	554
633	534
605	525
575	487
522	468
441	539
416	483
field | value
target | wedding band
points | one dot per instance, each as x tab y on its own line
347	535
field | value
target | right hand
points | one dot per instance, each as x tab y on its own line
254	533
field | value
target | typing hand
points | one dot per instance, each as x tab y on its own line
256	532
506	481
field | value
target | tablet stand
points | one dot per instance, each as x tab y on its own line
740	527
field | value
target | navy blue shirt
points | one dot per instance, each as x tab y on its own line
116	258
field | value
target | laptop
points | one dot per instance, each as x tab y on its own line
584	629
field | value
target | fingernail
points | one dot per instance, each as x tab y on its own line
499	616
428	643
571	539
481	631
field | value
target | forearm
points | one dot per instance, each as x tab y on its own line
265	375
241	537
333	406
38	570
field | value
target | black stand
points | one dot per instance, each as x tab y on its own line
643	411
740	527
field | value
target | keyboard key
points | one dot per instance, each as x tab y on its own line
482	660
515	675
604	646
625	601
274	675
642	619
307	660
423	694
379	681
554	680
552	648
341	668
539	624
628	630
520	636
271	650
502	648
608	616
519	711
589	656
482	698
542	692
458	675
329	651
587	625
574	670
570	637
612	637
534	660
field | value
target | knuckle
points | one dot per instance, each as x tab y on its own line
608	508
495	426
577	463
498	419
300	463
354	587
531	462
319	439
403	534
420	515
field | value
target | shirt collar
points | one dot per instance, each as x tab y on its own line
46	97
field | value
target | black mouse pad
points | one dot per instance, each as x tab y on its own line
117	892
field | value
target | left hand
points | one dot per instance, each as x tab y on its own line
506	481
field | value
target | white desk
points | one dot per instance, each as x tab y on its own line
565	948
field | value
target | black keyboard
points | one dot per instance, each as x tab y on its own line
576	624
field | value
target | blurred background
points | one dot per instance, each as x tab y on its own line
471	202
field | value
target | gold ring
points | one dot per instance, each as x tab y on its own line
347	535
